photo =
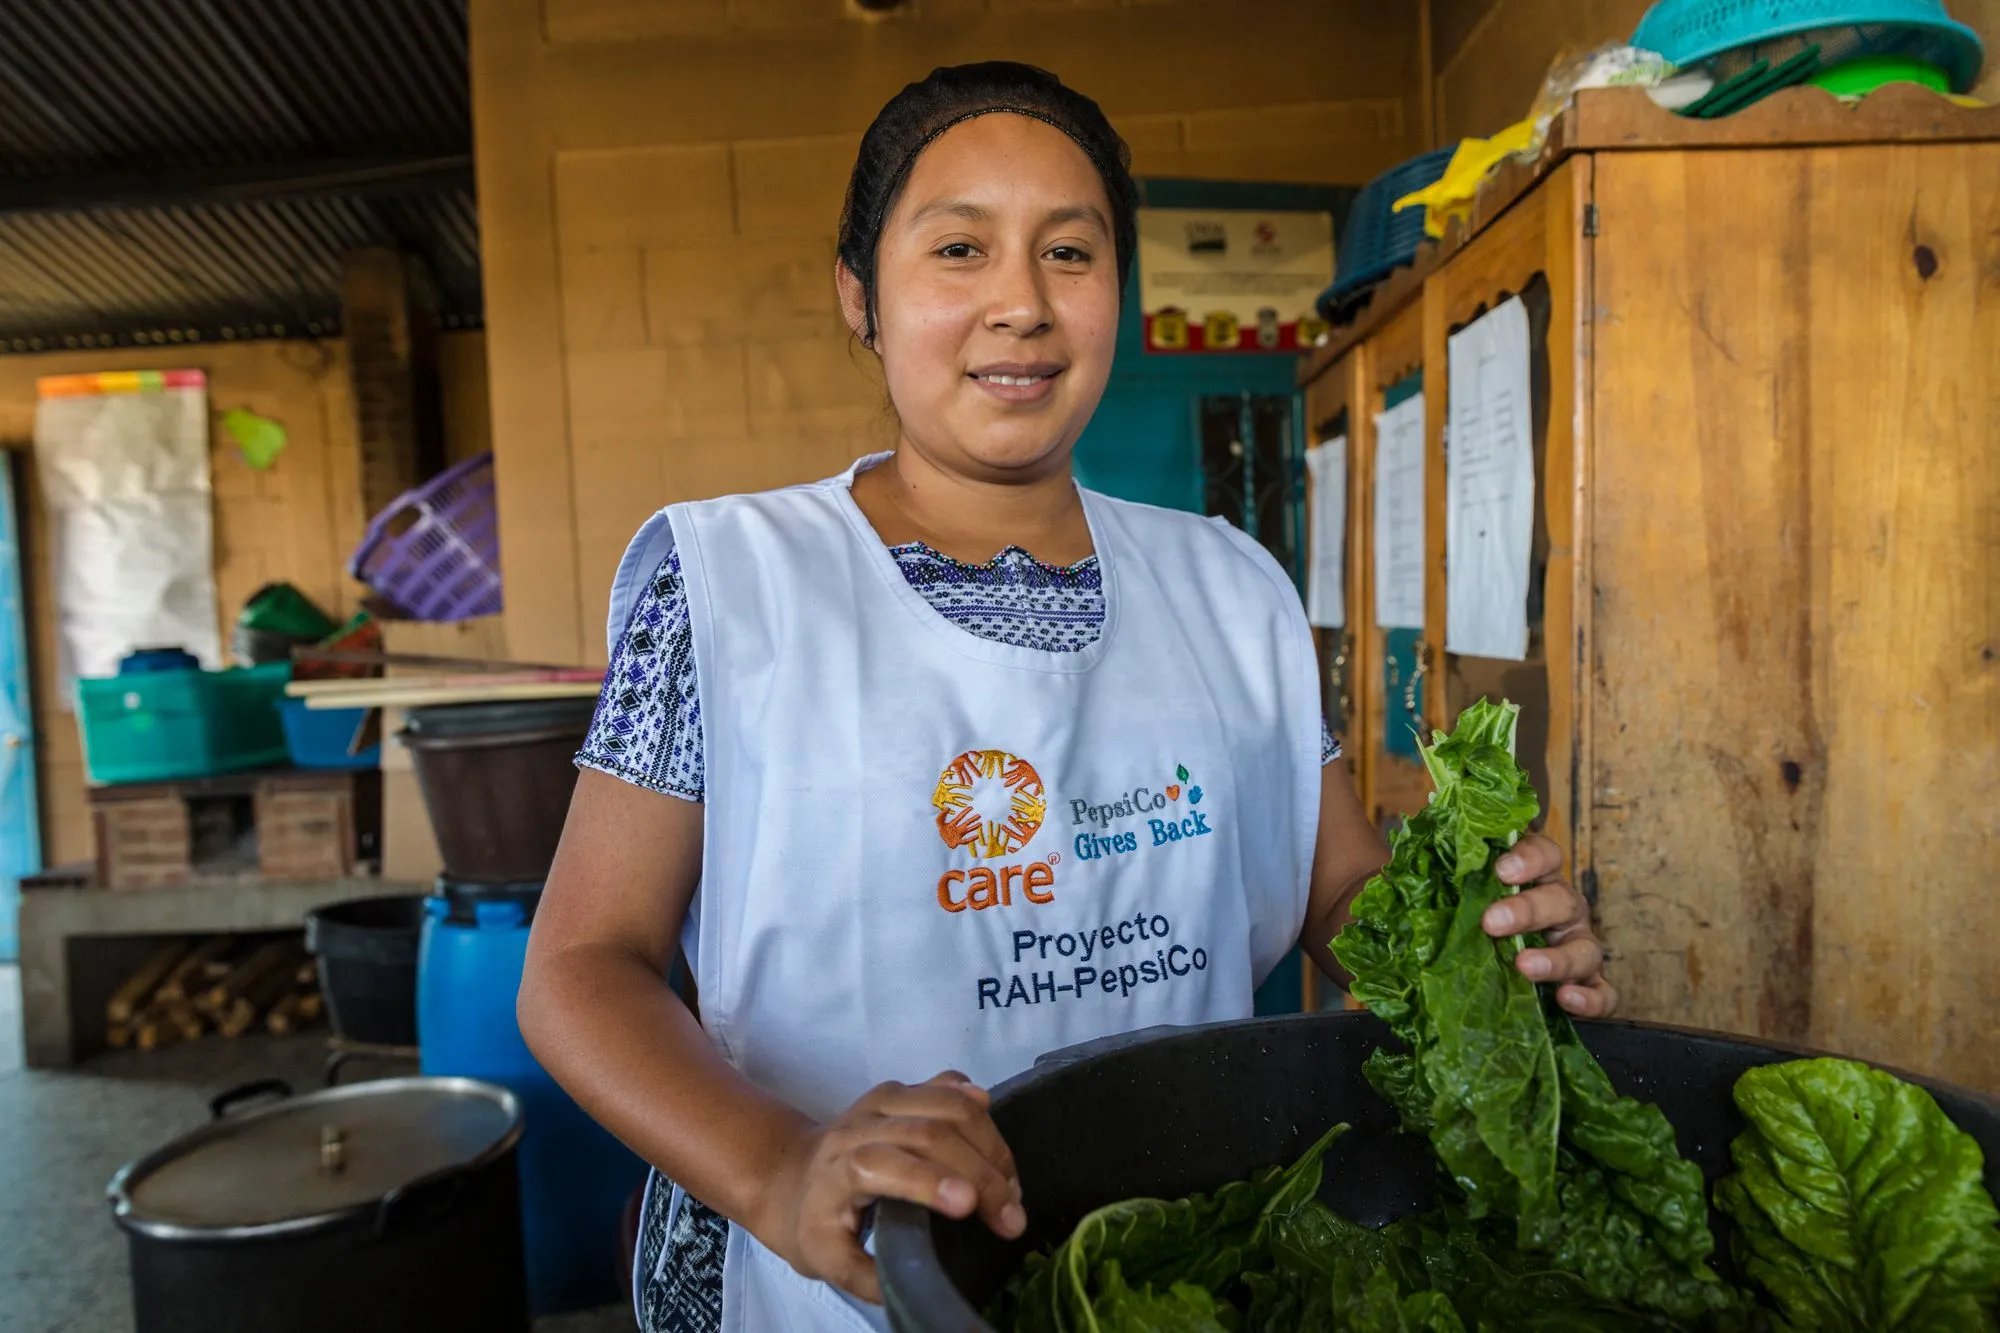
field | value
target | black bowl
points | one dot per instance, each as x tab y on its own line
1171	1112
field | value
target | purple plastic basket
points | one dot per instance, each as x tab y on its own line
435	552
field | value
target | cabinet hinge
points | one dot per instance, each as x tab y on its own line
1590	219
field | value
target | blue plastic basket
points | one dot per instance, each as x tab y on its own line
1379	241
318	737
1689	32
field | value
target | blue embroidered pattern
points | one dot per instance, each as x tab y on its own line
648	725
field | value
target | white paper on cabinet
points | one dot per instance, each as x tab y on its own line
1326	594
1399	516
1489	488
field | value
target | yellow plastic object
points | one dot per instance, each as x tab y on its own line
1452	195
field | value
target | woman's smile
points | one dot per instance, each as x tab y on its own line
1017	382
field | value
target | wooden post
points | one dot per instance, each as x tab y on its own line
388	312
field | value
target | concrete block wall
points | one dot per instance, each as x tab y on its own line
660	186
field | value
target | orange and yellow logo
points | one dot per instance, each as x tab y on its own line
989	801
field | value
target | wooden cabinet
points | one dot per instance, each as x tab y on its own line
1762	693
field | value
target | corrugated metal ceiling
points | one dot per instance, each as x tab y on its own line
201	154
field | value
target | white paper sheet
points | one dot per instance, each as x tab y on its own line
1326	577
1490	487
1399	516
125	475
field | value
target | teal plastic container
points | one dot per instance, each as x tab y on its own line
157	726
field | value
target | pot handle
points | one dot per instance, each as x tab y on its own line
421	1199
219	1105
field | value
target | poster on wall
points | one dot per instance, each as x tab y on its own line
1399	516
1326	576
1490	487
124	468
1232	281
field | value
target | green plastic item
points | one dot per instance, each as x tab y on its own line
1859	77
279	608
167	725
1754	84
260	438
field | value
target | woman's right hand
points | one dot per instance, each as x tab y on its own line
932	1144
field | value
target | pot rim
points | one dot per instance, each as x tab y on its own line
905	1249
118	1191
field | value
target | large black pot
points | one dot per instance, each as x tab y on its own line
1171	1112
391	1206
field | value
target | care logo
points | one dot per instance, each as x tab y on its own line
989	801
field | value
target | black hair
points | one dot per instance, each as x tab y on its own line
952	95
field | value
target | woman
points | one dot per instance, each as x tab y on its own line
940	764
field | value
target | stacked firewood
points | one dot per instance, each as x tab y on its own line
225	984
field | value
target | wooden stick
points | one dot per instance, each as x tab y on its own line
363	657
294	1013
186	1019
127	999
256	1000
216	999
404	696
154	1029
350	691
192	968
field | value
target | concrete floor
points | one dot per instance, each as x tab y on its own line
63	1134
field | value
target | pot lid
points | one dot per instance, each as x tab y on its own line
308	1161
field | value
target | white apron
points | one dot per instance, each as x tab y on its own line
927	851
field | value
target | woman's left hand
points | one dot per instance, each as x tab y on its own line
1550	904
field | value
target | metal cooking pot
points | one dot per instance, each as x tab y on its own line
1169	1112
391	1206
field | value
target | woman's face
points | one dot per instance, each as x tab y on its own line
996	306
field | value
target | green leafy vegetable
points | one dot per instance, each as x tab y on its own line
1858	1205
1153	1245
1523	1119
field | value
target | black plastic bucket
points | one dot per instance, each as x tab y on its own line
1171	1112
367	957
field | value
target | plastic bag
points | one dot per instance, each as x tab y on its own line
1615	65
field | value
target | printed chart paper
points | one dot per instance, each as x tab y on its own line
1326	578
1489	488
1399	516
124	464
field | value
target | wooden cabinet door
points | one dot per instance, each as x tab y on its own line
1536	252
1795	693
1393	783
1330	400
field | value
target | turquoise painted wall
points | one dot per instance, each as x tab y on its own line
1144	442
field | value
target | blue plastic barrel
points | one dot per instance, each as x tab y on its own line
575	1177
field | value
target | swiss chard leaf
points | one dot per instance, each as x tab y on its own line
1204	1241
1859	1205
1522	1117
1182	1308
1492	1073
